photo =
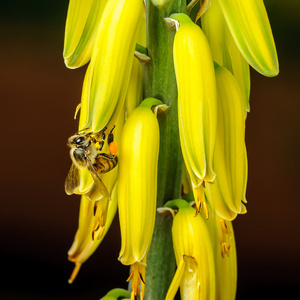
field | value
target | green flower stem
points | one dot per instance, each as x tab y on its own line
160	83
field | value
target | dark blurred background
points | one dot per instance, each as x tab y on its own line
38	221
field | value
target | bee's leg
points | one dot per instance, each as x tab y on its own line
112	146
110	137
101	142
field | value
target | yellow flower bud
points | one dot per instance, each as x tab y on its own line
197	111
249	25
230	160
81	28
137	187
194	255
90	233
224	50
111	60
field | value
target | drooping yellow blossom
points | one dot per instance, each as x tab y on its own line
90	232
111	60
137	188
224	249
197	242
230	159
224	50
194	255
81	28
197	110
249	25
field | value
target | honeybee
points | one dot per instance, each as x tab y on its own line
85	152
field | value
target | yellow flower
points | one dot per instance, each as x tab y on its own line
224	251
197	110
205	254
249	25
111	61
90	232
224	50
137	189
228	191
194	255
81	28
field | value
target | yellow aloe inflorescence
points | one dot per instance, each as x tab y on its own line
212	76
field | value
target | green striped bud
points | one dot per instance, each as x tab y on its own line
249	25
197	110
224	50
81	28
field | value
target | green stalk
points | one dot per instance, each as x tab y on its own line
160	83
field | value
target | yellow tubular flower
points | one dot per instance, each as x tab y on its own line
226	268
230	160
249	24
111	60
224	50
88	237
137	188
197	110
96	212
194	255
81	27
224	251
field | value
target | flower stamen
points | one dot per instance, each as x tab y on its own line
138	282
225	239
74	273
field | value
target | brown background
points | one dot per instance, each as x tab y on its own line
38	221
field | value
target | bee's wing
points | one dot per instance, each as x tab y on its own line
97	180
72	181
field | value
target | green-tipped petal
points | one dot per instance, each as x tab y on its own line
228	190
249	24
81	27
224	50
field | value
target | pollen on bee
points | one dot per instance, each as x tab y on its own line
113	148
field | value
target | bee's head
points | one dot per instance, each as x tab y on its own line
79	141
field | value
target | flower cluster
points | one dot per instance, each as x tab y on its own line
116	150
